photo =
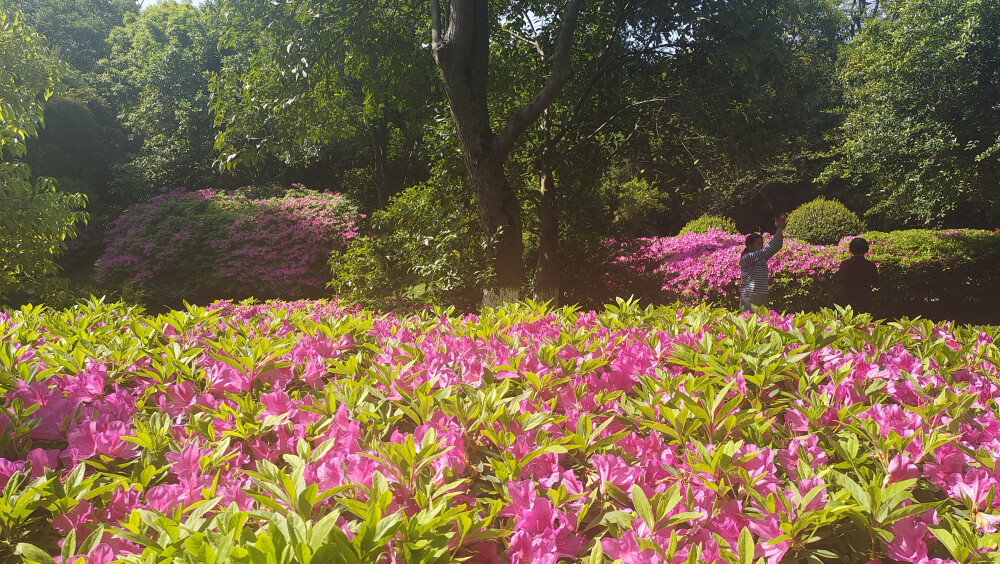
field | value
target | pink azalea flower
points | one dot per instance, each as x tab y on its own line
900	468
75	519
543	534
909	542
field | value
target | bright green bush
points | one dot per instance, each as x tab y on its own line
823	222
706	222
427	247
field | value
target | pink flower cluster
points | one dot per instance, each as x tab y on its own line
281	245
183	244
651	429
705	266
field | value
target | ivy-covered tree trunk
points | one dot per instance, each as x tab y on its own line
461	46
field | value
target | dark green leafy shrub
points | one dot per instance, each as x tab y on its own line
706	222
426	248
953	265
823	222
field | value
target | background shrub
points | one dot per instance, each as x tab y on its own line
940	273
706	222
207	245
823	222
955	265
425	248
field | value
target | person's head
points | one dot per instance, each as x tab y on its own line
755	242
858	246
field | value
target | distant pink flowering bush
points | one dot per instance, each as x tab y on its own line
204	245
915	265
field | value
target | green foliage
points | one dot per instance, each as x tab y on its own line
823	222
35	219
291	91
952	266
156	79
635	205
920	134
706	222
427	247
77	29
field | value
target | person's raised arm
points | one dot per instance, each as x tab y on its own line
779	226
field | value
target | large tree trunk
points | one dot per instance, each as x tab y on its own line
462	54
500	212
463	58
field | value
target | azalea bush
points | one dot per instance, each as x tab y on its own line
205	245
317	432
916	265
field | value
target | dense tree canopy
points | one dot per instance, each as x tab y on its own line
156	79
564	123
920	137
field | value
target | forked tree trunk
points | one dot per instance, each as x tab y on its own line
461	50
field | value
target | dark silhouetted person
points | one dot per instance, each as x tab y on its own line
753	265
856	277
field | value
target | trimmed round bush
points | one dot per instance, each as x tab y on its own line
207	245
706	222
823	222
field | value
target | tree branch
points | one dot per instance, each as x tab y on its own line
561	72
594	133
534	44
435	22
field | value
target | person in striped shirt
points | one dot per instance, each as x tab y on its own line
753	265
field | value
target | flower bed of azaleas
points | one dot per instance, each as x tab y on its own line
313	432
916	265
204	245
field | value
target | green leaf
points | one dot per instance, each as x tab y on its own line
641	504
856	491
34	555
746	547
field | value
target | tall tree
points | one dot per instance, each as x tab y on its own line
690	96
156	78
77	29
922	133
461	45
322	73
35	219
